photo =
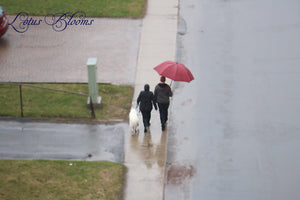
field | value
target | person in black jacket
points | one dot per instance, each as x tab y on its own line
162	94
145	100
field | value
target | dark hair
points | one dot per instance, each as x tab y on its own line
163	79
147	87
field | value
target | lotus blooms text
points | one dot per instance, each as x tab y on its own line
59	21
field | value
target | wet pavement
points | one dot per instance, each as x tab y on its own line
43	55
234	130
145	158
145	155
33	140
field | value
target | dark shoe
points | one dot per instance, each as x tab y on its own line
145	130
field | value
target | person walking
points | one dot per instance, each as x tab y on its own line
162	94
145	100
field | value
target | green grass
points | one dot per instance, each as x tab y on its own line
61	180
41	103
93	8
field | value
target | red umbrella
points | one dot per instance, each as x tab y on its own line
174	71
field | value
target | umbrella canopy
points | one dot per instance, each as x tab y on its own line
175	71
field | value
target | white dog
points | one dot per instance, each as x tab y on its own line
134	121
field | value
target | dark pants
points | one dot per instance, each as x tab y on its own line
146	118
163	111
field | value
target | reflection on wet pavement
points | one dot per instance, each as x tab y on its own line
177	174
151	153
32	140
145	156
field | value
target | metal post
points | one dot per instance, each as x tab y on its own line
92	108
21	101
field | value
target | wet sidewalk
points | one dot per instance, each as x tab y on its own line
145	154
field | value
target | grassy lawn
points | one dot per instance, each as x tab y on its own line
41	103
61	180
93	8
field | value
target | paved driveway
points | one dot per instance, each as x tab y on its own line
31	140
43	55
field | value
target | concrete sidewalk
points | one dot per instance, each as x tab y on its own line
145	154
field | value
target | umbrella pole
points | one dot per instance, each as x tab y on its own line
171	83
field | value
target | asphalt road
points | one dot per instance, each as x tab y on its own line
234	130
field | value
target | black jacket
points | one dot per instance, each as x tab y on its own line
162	93
146	99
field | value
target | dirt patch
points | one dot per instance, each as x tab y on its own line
178	174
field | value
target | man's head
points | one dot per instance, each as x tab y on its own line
163	79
